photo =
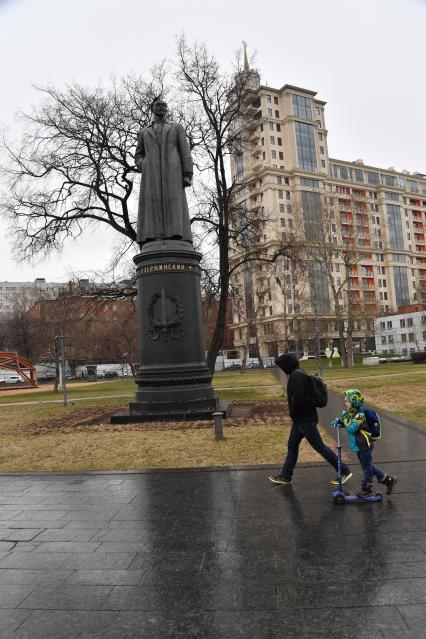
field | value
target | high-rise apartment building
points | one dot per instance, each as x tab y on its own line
374	218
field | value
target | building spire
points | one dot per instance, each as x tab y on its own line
246	63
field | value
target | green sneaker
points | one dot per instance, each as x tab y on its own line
279	479
345	478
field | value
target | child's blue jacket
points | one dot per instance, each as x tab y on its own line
353	421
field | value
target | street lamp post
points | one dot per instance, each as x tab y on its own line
319	351
61	338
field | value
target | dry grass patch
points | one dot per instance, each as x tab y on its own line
147	449
59	439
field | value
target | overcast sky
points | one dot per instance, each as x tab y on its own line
365	58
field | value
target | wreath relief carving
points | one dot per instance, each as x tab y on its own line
165	316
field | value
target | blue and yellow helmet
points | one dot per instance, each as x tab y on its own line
355	397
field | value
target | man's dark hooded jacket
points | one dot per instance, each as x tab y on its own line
298	390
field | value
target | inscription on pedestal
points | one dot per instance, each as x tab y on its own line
152	268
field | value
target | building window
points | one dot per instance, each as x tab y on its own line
280	194
287	195
289	211
281	208
373	177
402	323
275	99
400	279
301	106
308	182
272	139
389	324
389	180
277	115
411	337
280	155
279	141
282	221
395	226
359	175
409	321
322	150
270	113
305	142
274	154
403	337
323	164
271	126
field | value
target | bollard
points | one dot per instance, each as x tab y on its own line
218	430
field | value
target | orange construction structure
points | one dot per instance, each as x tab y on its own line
13	362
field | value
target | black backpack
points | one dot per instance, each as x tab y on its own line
318	394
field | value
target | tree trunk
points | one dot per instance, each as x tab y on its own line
219	329
259	356
246	350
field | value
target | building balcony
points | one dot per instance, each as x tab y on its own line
256	151
251	110
252	125
254	136
256	167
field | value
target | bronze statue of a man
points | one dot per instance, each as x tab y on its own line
164	157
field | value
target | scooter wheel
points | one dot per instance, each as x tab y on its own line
339	499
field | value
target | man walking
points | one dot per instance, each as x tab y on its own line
304	418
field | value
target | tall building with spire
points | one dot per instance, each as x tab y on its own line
358	230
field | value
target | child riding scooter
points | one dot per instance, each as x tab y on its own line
355	422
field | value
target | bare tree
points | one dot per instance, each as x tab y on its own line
74	167
217	105
332	247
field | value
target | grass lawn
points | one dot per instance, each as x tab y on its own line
149	449
400	388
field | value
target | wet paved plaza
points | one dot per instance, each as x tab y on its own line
214	554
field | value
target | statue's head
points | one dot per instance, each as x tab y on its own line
159	107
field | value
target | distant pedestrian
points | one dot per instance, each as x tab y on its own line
361	441
304	419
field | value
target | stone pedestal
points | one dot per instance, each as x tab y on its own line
173	379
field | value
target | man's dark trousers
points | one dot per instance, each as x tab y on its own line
313	437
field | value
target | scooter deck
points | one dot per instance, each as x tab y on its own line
342	498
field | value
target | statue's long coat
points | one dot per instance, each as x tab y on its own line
163	209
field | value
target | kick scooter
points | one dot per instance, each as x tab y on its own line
339	496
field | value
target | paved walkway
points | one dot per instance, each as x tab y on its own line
214	554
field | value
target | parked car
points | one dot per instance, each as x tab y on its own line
10	378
